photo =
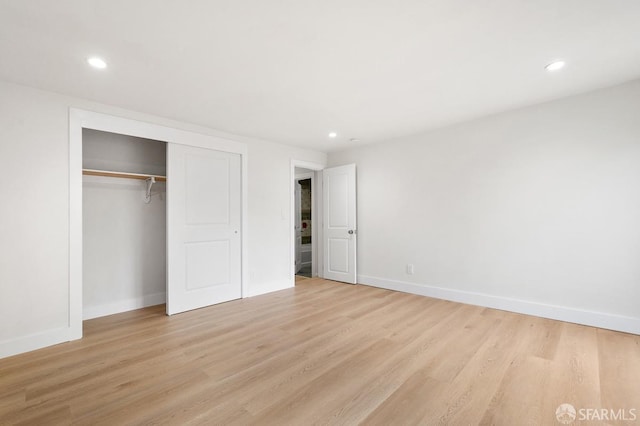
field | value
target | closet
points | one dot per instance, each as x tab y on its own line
124	222
156	214
161	221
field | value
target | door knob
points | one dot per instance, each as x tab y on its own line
350	231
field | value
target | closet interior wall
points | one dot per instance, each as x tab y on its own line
124	237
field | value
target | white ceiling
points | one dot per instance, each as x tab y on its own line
293	70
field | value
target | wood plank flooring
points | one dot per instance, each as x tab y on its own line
323	353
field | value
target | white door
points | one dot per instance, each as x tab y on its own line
298	226
339	199
203	227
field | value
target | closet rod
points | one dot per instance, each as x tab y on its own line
92	172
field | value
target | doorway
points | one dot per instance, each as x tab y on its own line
304	222
334	230
306	243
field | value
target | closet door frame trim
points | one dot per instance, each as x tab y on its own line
81	119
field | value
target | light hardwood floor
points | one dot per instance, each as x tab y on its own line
323	353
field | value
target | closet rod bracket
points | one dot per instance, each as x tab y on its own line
150	181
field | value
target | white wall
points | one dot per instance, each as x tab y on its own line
124	238
34	218
271	210
122	153
535	210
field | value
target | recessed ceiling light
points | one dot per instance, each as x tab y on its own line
333	135
97	62
554	66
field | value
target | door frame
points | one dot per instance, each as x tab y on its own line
81	119
314	231
316	214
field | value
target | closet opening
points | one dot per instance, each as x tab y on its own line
124	216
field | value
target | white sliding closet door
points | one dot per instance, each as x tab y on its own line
203	227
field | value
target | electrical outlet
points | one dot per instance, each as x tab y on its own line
410	269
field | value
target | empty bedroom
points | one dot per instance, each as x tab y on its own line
302	212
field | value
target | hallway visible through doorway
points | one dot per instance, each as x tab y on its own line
304	223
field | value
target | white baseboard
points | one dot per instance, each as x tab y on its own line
268	287
34	341
561	313
89	312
